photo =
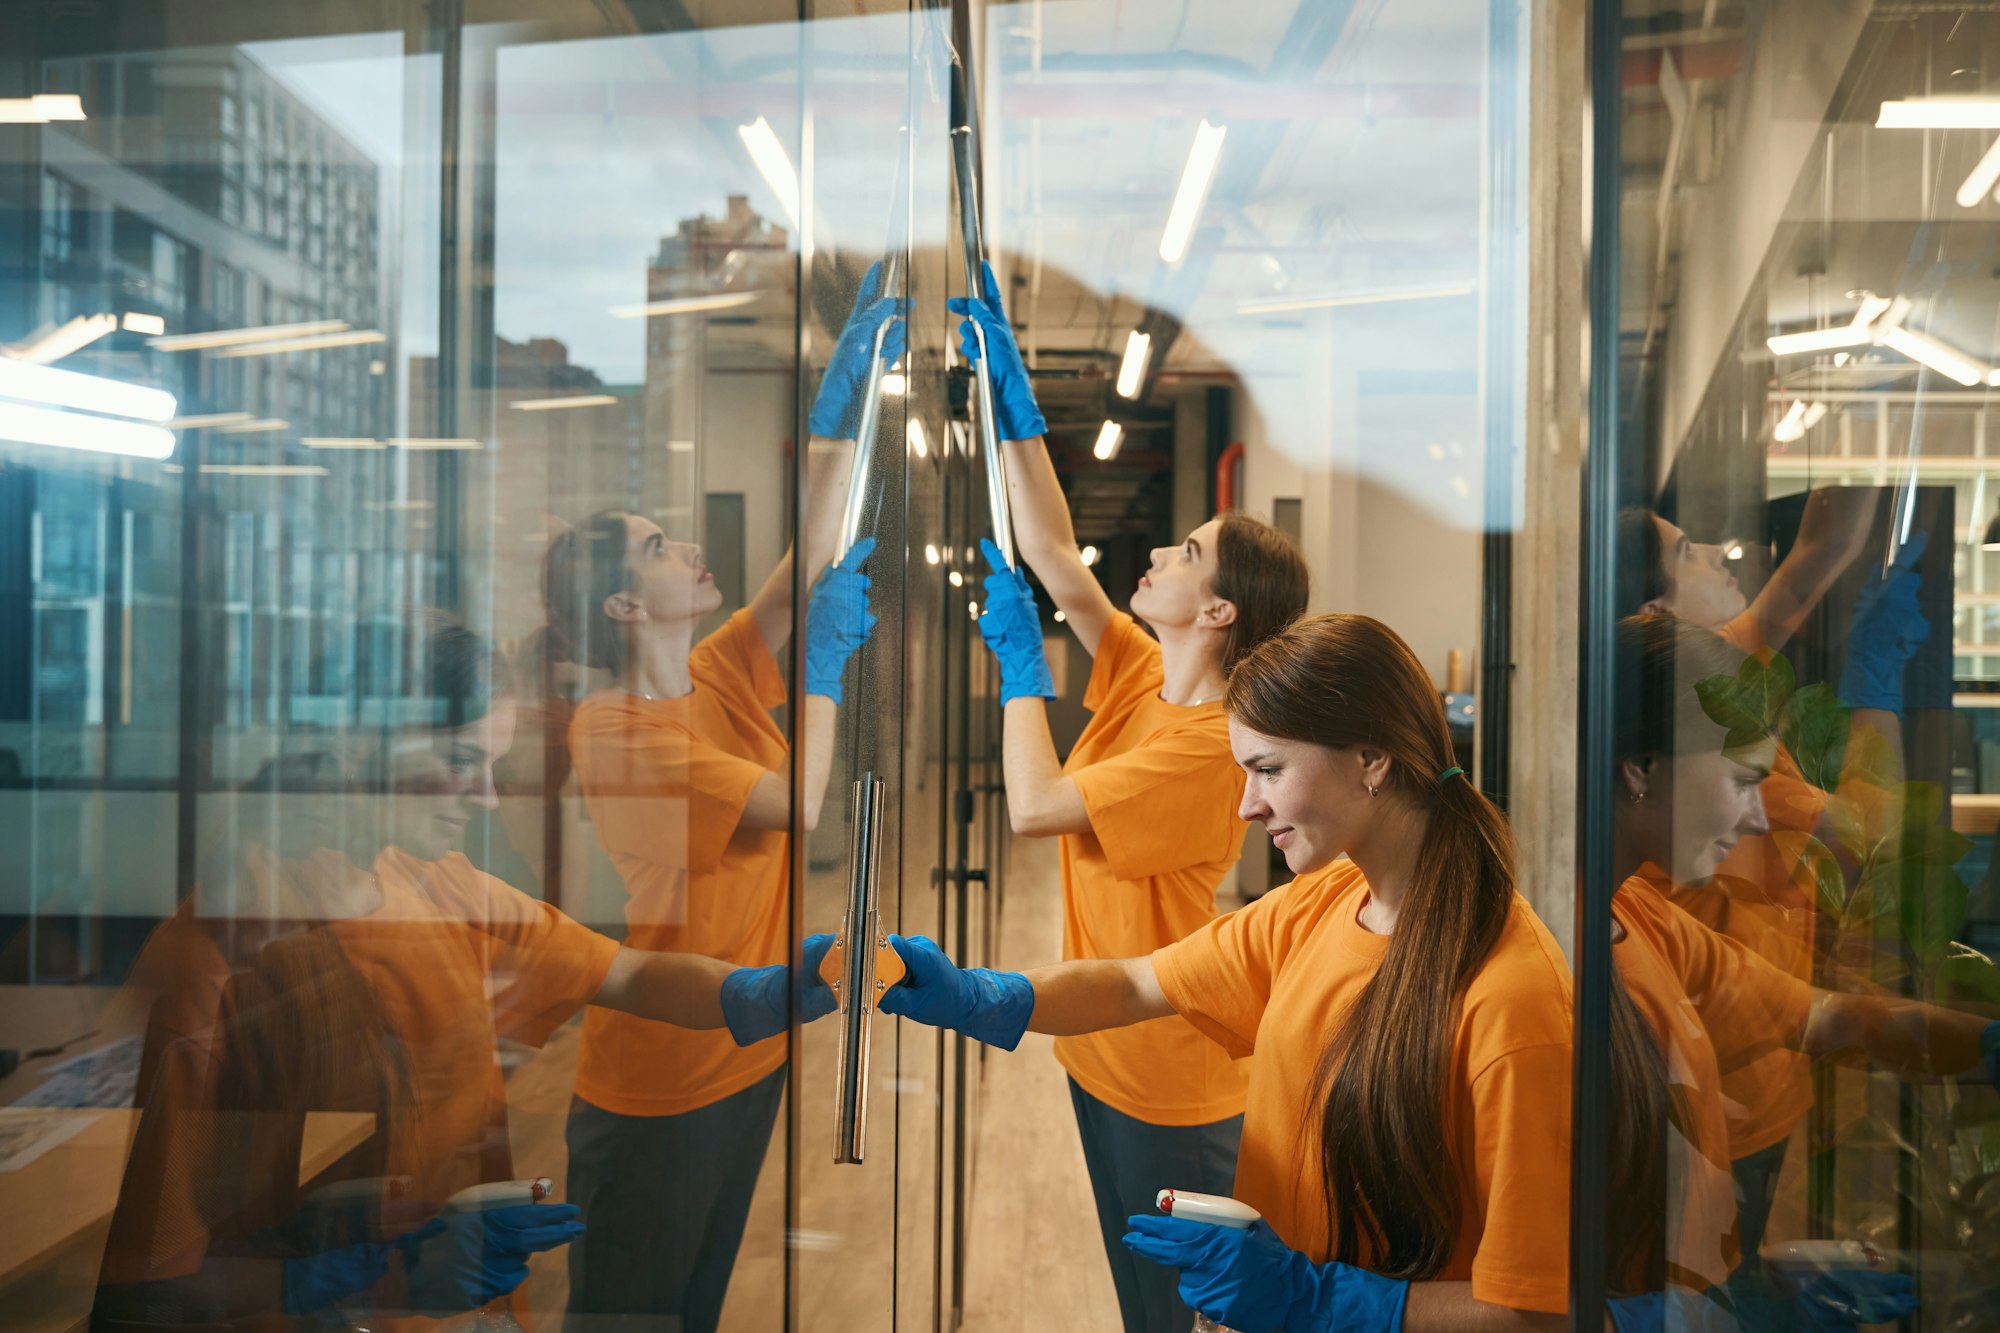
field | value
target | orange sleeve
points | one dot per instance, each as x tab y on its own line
1520	1107
651	759
547	967
1748	1007
736	659
1219	978
1167	804
1127	657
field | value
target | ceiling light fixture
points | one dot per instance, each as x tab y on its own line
255	426
41	109
1928	351
1982	180
92	393
189	342
768	156
70	337
1855	333
1791	426
685	305
268	469
204	422
1108	439
1288	305
137	322
1132	370
72	430
1192	192
558	404
1940	113
312	343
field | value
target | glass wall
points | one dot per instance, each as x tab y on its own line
1787	575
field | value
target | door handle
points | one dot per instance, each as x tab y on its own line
965	167
859	967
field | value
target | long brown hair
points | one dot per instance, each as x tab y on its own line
1340	681
1262	573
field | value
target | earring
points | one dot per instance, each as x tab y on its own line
1374	792
1638	797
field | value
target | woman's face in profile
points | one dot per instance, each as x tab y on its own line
439	779
1708	801
1700	588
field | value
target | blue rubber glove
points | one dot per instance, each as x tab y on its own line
988	1006
1012	628
1680	1309
318	1281
1247	1278
1887	630
836	409
754	999
461	1261
1837	1299
838	620
1014	409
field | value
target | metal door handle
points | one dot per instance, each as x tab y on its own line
857	984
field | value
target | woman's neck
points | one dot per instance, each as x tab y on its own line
1387	859
1191	664
656	661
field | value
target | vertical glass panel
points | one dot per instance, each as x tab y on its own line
1802	1119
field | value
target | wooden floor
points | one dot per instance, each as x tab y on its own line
1035	1258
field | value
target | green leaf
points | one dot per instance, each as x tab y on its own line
1968	974
1814	728
1830	885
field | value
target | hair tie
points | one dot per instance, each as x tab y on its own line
1453	772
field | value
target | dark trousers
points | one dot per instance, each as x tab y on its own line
1130	1162
665	1199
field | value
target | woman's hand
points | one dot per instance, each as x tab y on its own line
1012	628
838	620
1245	1277
1014	409
988	1006
836	409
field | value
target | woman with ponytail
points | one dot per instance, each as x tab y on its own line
1405	1135
1690	1004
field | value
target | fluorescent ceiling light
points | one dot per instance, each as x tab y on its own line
931	556
341	442
1132	370
685	305
92	393
1791	426
71	430
1928	351
957	579
1941	113
268	469
918	444
1993	378
1088	555
1108	439
1193	191
187	342
41	109
203	422
437	444
1982	180
1855	333
256	426
59	343
1282	306
313	343
557	404
140	323
1814	415
773	165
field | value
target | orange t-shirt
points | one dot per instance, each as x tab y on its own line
1715	1007
666	781
1275	977
243	1044
1162	792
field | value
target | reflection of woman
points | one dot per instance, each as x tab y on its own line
688	780
1763	894
1693	1005
1405	1129
1140	807
362	965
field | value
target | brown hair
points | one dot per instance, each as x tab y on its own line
1340	681
1261	572
584	566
